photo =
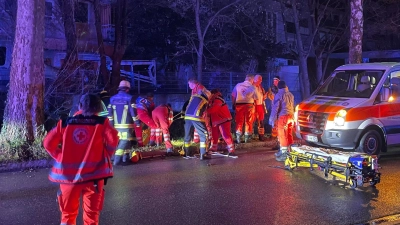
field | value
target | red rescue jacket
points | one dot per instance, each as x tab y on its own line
218	111
82	147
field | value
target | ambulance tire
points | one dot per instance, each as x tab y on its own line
371	143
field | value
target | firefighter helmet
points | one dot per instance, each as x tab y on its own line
135	157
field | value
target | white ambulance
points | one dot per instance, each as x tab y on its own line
357	108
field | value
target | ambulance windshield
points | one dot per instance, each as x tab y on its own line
351	83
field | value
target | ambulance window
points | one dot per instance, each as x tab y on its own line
395	84
2	56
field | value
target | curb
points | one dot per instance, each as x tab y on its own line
28	165
48	163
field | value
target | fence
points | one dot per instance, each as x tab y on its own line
172	83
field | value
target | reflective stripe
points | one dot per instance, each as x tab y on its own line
124	126
124	114
115	114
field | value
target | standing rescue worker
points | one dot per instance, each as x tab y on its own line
195	116
260	109
82	147
123	116
243	98
163	117
221	122
196	87
283	111
145	106
272	91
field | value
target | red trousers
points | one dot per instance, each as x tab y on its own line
225	130
93	199
285	130
244	114
160	118
146	119
259	115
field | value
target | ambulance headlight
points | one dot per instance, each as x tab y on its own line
340	117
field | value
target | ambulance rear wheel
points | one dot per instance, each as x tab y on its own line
370	143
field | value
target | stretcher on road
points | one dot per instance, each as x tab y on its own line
353	167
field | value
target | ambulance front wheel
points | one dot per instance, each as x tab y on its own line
371	143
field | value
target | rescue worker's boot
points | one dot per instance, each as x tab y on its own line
117	159
170	152
282	157
238	136
125	157
187	152
247	138
261	137
203	154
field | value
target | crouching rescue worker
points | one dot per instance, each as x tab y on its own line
221	122
194	116
163	117
82	147
145	106
122	115
283	111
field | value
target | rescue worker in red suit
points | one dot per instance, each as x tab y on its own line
283	111
123	116
194	116
163	117
243	99
145	106
196	87
82	147
260	109
221	122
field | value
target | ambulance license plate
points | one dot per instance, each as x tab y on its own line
312	138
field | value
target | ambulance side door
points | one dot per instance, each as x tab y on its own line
389	109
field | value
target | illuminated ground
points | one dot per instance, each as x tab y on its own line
252	189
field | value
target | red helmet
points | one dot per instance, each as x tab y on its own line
135	157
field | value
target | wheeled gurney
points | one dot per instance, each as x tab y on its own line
353	167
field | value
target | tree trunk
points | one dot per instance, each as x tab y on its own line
103	67
200	47
120	43
24	111
356	31
302	54
68	9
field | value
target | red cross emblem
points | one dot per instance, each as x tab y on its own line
80	135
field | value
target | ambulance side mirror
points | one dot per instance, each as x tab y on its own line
385	94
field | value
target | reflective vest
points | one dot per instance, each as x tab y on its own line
122	111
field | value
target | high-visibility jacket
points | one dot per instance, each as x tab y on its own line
196	108
87	144
122	111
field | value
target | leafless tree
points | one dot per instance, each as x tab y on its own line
24	114
356	31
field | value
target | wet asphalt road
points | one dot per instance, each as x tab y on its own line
252	189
